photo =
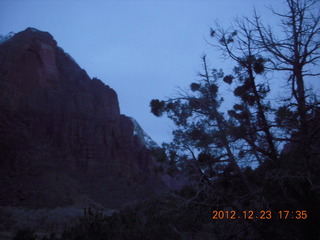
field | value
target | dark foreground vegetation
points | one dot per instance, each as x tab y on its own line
253	170
188	214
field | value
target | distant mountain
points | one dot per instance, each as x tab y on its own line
143	136
63	140
6	37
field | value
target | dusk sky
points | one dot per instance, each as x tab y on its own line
142	49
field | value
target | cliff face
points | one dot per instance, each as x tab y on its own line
55	120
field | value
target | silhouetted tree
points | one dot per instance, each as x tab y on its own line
253	125
202	142
209	144
297	53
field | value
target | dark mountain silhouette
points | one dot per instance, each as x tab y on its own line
63	140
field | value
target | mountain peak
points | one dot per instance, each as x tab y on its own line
60	128
32	29
32	33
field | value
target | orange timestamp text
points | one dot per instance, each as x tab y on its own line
263	214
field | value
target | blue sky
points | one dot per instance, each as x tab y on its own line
142	49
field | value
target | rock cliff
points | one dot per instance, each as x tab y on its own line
63	140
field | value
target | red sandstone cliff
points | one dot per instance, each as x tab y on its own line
62	137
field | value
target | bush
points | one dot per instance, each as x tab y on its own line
25	234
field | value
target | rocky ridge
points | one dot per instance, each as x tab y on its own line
63	140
